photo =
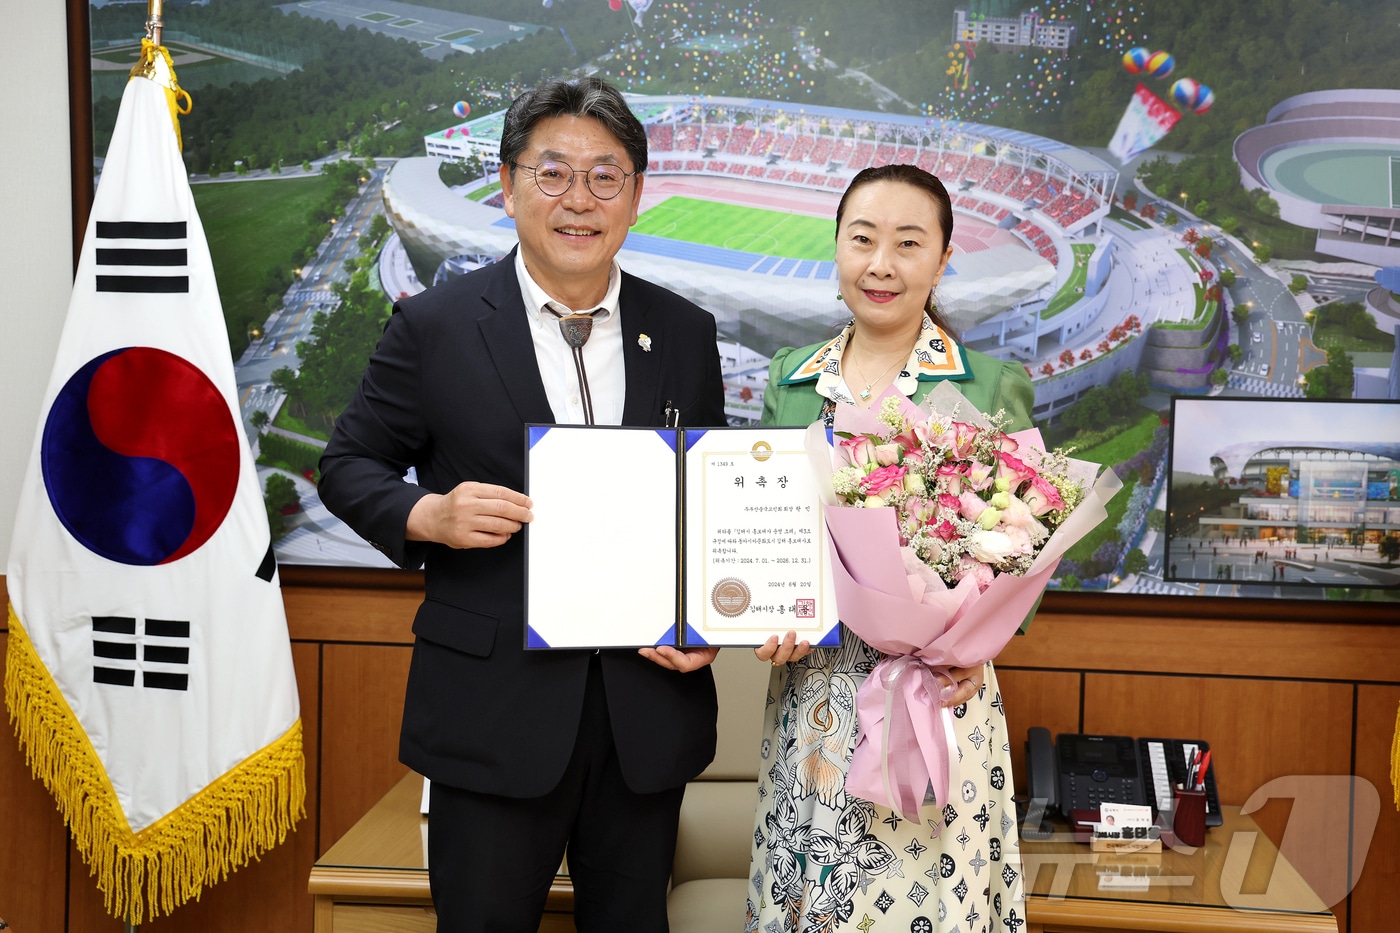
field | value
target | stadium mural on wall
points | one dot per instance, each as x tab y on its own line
1242	264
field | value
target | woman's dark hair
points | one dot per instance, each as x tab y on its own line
586	97
924	181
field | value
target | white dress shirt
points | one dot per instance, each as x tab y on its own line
602	354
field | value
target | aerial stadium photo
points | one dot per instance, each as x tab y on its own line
1137	219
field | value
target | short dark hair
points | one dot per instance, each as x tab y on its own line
924	181
586	97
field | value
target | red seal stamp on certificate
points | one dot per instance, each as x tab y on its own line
730	597
806	609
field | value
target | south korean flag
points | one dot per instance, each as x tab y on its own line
149	669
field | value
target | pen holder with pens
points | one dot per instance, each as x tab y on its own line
1189	815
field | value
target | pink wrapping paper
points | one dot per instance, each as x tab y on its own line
901	607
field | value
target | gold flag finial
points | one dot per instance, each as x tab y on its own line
155	65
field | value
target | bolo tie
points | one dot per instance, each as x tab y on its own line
576	329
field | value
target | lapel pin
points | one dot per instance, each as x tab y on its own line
644	342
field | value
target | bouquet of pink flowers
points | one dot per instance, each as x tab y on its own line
956	529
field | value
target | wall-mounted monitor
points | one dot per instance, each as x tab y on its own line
1284	498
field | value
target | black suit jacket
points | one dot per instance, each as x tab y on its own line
449	390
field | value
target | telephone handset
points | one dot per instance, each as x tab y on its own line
1079	772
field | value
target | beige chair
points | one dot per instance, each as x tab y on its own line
710	874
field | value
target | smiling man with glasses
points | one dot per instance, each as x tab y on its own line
533	751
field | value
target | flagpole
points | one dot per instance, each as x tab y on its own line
155	25
155	10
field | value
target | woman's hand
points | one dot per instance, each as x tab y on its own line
683	660
781	652
969	681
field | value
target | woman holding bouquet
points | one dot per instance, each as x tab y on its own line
824	858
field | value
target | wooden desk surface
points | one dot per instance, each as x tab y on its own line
1236	881
384	856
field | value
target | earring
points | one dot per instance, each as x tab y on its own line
838	297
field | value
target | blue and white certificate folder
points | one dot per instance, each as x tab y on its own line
673	536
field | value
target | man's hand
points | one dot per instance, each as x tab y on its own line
781	652
969	682
684	660
471	515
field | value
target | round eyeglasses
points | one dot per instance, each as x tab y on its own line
554	178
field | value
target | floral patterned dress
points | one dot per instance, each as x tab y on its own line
824	860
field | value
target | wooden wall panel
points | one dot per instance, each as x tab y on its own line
323	613
34	855
1203	645
362	688
1036	698
85	911
1375	900
1255	728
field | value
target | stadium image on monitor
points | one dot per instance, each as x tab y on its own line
1299	494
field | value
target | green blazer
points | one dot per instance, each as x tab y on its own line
993	385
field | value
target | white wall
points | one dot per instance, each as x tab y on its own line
36	252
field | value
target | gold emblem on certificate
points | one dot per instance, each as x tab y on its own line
730	597
761	451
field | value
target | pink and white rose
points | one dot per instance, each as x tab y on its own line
1013	469
859	452
951	476
882	484
887	454
1041	496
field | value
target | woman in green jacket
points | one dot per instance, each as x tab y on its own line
823	858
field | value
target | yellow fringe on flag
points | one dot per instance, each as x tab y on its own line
156	65
1395	760
239	816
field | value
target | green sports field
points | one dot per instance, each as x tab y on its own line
751	229
1073	289
1336	173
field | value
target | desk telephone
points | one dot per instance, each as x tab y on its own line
1079	772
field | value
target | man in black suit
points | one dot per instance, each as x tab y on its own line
530	751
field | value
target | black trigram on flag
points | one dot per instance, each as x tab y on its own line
124	247
160	652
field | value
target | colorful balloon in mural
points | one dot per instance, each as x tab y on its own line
1160	64
1192	95
1185	92
1135	60
461	109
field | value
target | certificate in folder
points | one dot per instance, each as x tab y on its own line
674	536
